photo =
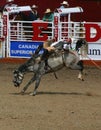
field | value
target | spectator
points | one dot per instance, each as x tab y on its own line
64	4
64	18
0	12
47	50
48	16
10	3
33	15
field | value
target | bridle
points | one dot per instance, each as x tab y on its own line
18	77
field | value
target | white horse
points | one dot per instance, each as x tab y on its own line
56	61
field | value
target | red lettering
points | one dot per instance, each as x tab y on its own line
5	25
37	33
56	21
88	32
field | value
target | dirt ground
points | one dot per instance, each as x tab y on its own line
65	103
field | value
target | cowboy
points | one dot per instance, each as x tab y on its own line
48	15
33	15
47	50
67	45
64	4
10	3
50	46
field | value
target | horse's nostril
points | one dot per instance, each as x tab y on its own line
16	84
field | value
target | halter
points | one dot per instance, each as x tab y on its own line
18	77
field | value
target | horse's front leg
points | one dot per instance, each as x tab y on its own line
37	79
28	84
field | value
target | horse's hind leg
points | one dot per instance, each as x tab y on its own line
80	76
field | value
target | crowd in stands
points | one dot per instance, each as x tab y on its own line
48	15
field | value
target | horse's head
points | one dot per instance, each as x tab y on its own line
18	74
18	77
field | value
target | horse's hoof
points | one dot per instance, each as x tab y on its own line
32	94
22	92
81	79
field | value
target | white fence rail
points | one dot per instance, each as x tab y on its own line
2	40
23	31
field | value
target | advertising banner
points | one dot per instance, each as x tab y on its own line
94	51
23	49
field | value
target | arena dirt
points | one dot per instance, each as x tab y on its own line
65	103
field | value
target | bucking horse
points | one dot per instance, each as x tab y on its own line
56	61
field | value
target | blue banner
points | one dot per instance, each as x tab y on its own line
23	49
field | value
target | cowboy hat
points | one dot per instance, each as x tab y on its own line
48	11
9	0
65	3
34	6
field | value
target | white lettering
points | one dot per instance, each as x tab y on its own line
21	52
21	46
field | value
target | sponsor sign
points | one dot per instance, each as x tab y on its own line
37	32
70	10
23	49
94	51
18	9
88	31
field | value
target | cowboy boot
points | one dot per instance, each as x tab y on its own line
38	49
45	57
